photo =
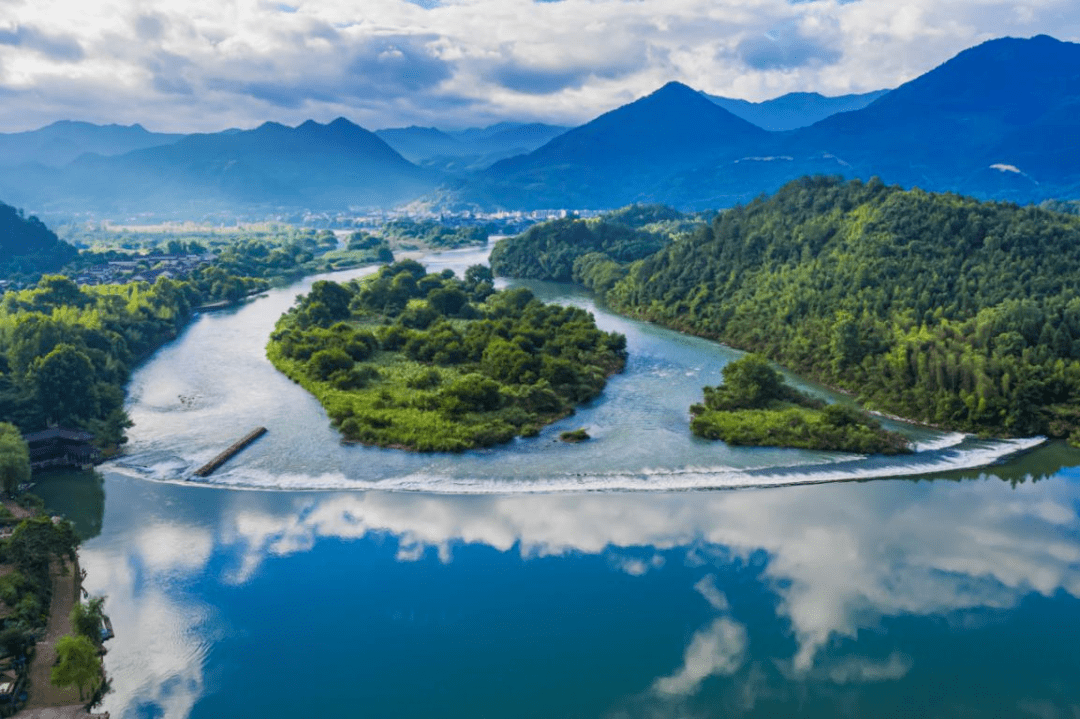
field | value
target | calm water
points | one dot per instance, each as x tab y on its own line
527	581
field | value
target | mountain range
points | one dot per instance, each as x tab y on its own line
795	109
269	169
998	121
467	150
61	142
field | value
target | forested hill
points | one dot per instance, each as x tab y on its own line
28	246
935	307
551	250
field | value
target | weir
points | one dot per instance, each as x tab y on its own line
207	469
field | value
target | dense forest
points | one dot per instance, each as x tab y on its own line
413	234
936	307
550	250
28	247
755	406
66	352
431	362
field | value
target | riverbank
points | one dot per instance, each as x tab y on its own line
66	588
45	700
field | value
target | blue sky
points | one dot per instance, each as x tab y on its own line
205	65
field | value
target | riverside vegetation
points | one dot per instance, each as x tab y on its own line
67	351
754	406
430	362
936	307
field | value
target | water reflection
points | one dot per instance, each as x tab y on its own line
79	496
895	548
828	587
155	662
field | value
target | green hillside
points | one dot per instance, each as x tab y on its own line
939	308
27	246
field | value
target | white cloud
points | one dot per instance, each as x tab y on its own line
157	655
717	650
860	669
835	566
707	588
173	548
837	558
206	65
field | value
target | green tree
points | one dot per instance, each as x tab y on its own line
14	458
87	619
65	383
77	664
748	382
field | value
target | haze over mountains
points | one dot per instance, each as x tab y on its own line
795	109
472	149
998	121
61	142
273	167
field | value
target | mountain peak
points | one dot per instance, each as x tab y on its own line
675	124
339	123
676	108
1013	78
671	93
673	87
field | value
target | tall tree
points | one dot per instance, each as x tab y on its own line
77	664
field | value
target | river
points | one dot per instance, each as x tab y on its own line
605	579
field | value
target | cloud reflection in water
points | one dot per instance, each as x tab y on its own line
837	559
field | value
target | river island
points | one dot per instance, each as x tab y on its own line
429	362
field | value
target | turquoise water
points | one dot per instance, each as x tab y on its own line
641	574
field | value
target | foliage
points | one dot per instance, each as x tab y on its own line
433	363
87	619
1069	207
35	541
959	313
434	234
574	435
66	351
27	246
77	664
32	546
754	406
549	250
14	458
15	640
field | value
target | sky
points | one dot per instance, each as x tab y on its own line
207	65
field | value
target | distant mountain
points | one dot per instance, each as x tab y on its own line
795	109
417	144
998	120
28	246
61	142
333	167
624	156
511	138
471	149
